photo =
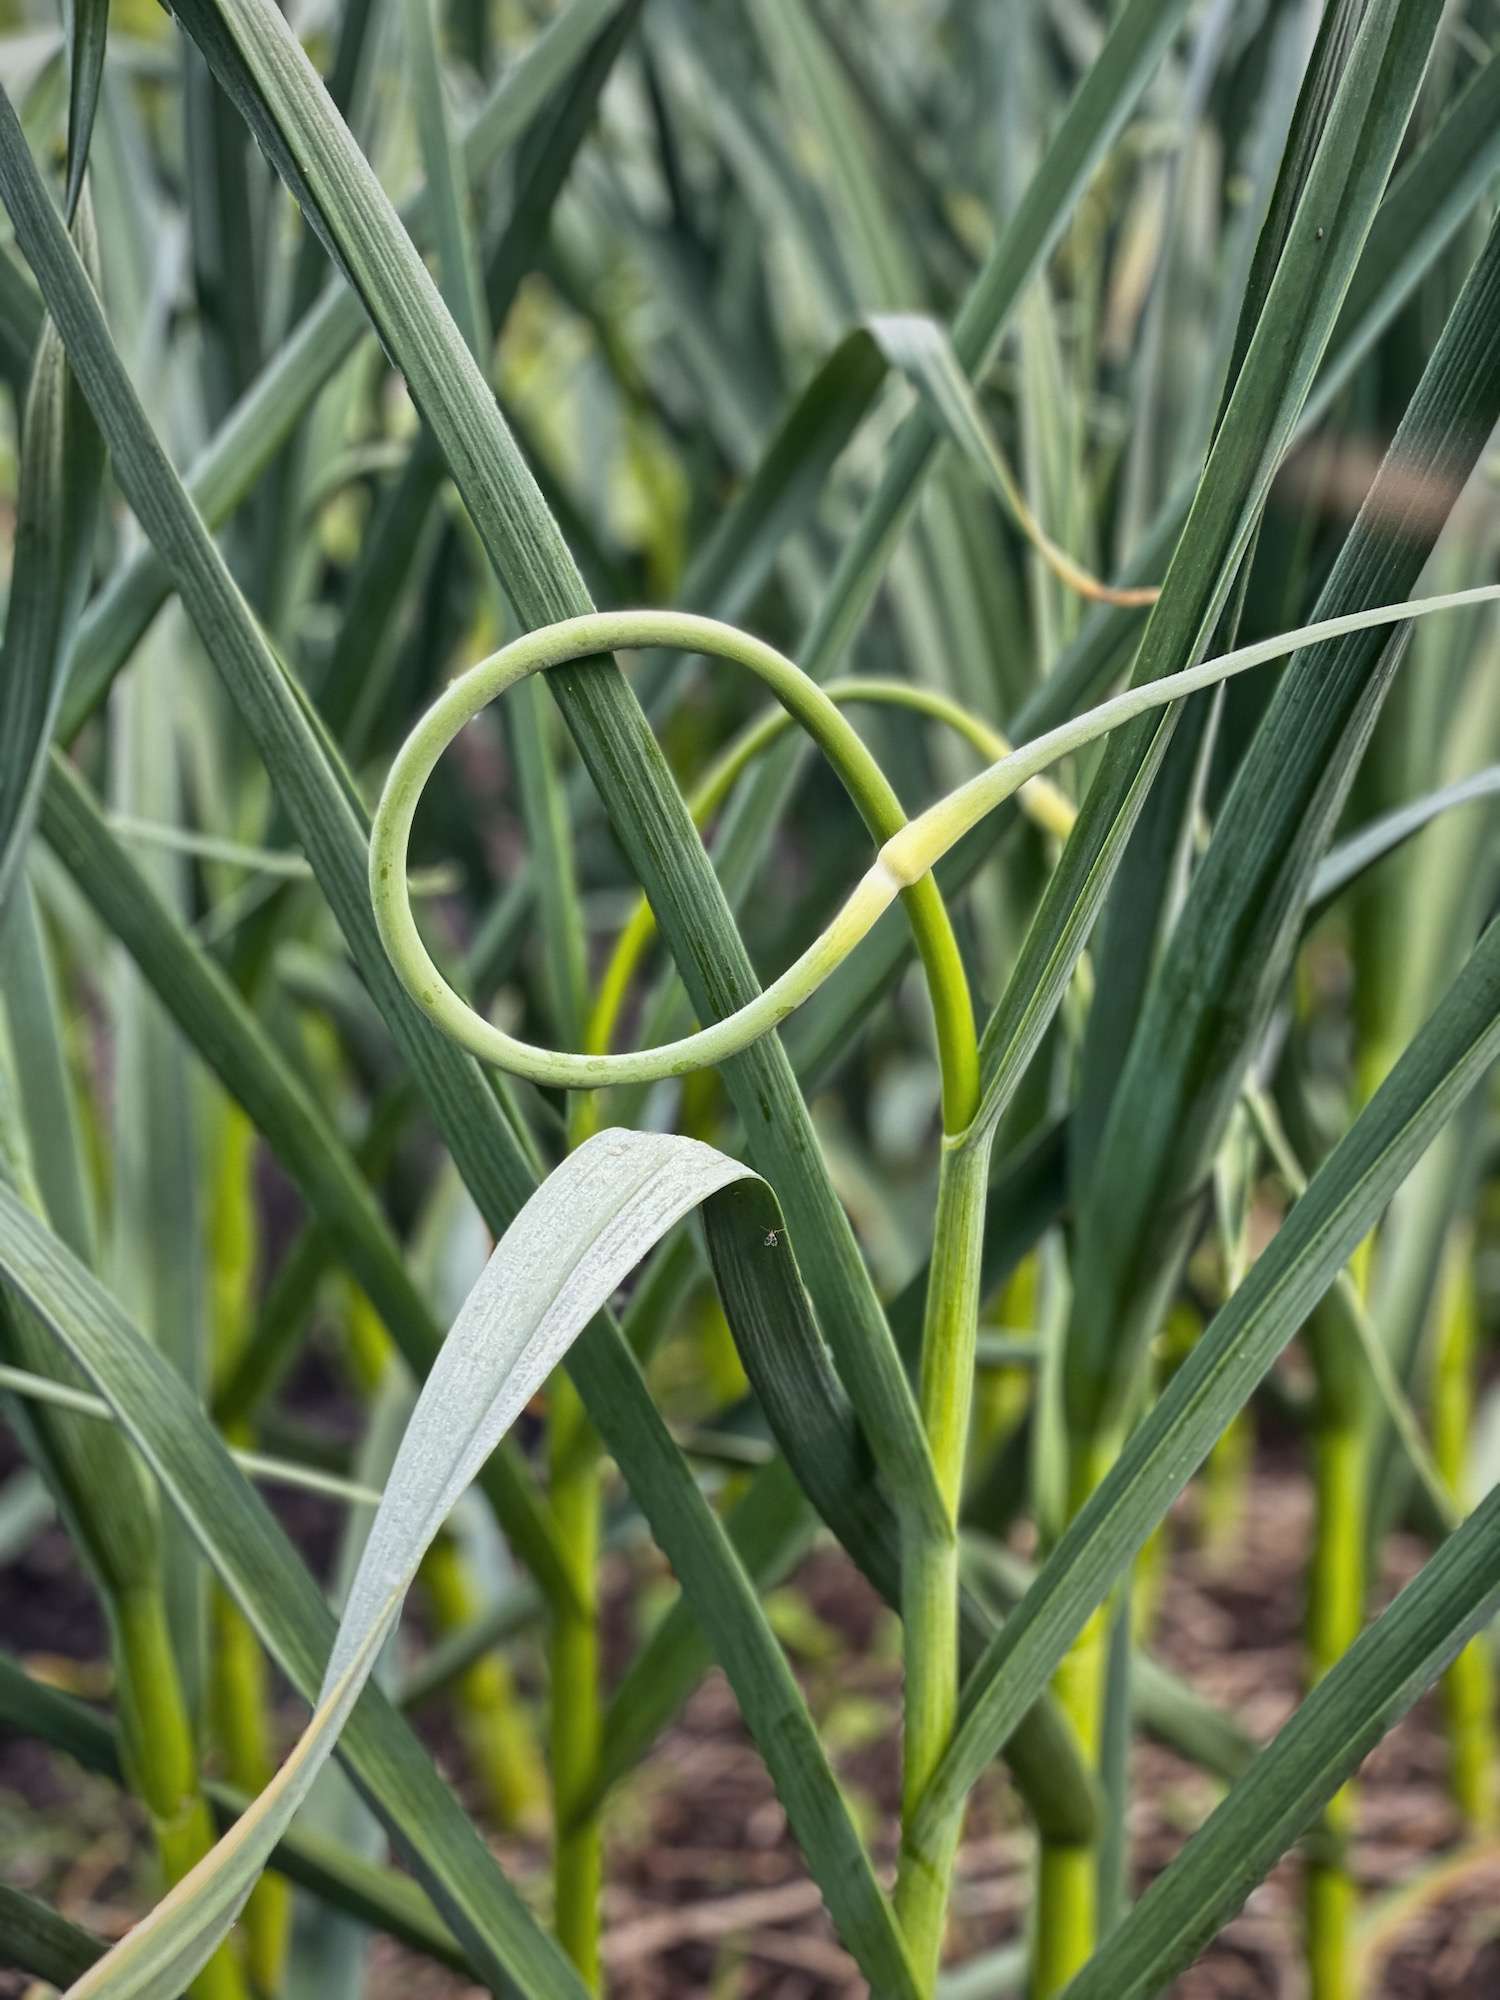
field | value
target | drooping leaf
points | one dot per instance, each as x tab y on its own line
562	1259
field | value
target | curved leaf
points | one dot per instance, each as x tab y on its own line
267	1578
37	1940
564	1256
376	1895
1346	1195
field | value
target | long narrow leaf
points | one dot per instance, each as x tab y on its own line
378	1896
563	1257
213	1017
62	468
1343	1199
1352	1707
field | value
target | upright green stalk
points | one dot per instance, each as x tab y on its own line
1468	1687
239	1683
162	1758
497	1725
577	1717
1335	1617
929	1570
1067	1906
112	1513
1341	1440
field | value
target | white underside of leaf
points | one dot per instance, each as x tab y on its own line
572	1245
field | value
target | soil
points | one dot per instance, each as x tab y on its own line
706	1893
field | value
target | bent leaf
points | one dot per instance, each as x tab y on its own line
568	1250
922	349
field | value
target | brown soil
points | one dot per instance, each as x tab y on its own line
707	1895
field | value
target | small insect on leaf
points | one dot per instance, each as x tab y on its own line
773	1237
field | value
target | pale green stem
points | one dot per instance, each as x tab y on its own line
1225	1487
1066	1919
577	1717
1335	1616
929	1571
240	1692
1468	1687
577	638
1040	800
239	1678
163	1761
1336	1585
497	1729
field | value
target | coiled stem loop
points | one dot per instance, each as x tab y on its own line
871	792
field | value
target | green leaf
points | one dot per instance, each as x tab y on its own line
260	64
882	268
560	1261
48	1102
62	470
1357	146
350	691
318	796
1426	203
269	1582
812	1420
1227	960
920	347
265	416
1344	1198
155	1258
1344	864
213	1017
1105	98
256	1464
167	1949
1349	1313
221	170
88	31
1445	179
378	1896
1454	1596
95	1481
37	1940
